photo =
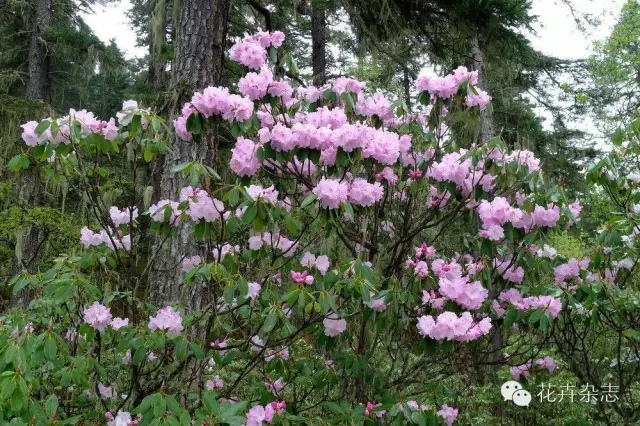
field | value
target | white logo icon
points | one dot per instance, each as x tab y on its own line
522	398
509	388
513	391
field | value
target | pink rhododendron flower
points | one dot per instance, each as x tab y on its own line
258	414
190	263
376	305
523	370
166	319
302	277
97	316
481	100
255	85
106	391
331	192
216	383
249	54
387	174
363	193
123	418
244	157
275	387
259	193
334	326
254	290
547	362
449	414
118	323
122	216
29	134
448	326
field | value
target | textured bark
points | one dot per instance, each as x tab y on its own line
487	132
26	249
318	44
198	62
26	192
478	63
406	83
38	84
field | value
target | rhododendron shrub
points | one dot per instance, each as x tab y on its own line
329	293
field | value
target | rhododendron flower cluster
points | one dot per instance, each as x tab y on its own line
123	216
302	277
334	326
254	290
343	171
166	319
321	263
266	195
445	87
509	271
331	192
258	413
376	304
460	290
496	213
448	326
275	387
244	157
449	414
123	418
371	409
60	129
524	370
190	263
114	239
97	316
201	205
569	270
276	241
251	51
551	305
216	383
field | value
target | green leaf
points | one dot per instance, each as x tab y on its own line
50	349
250	213
510	317
148	153
536	315
193	124
349	209
310	199
42	127
197	350
334	408
180	167
138	355
270	322
618	137
51	405
18	162
159	407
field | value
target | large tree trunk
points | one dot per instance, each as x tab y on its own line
198	62
26	196
38	84
26	192
318	44
487	130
